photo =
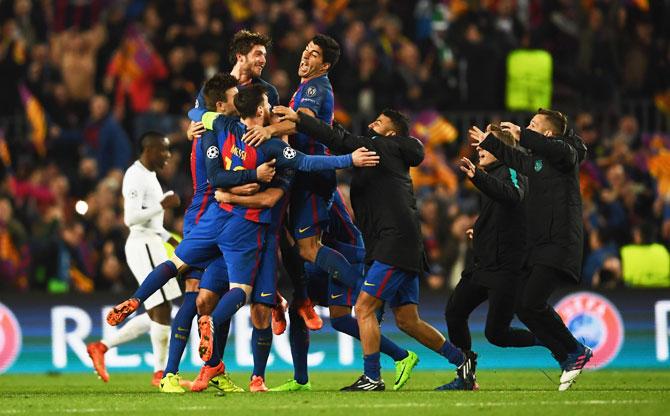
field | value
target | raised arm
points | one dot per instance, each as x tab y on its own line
290	158
512	157
509	191
555	150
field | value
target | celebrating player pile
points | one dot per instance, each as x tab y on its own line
247	178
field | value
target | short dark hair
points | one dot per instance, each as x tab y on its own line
243	41
330	49
215	89
399	120
557	121
248	99
150	138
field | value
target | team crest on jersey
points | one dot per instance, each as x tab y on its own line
10	338
212	152
289	152
596	322
311	92
197	103
538	165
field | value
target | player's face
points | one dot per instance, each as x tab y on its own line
160	154
311	62
228	107
539	124
485	157
255	60
383	126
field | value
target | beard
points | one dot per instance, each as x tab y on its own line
371	133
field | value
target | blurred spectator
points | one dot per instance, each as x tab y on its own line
645	263
14	254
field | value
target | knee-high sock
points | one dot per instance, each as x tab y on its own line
160	338
452	353
261	342
181	328
353	254
348	325
220	341
132	329
155	280
230	302
371	366
337	266
294	265
299	338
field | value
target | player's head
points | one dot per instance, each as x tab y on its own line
155	150
249	49
219	92
389	123
252	102
549	123
319	57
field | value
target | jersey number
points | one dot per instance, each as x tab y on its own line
228	162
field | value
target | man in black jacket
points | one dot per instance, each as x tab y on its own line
554	221
494	270
385	209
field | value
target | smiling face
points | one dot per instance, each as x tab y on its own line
485	157
227	108
311	62
254	61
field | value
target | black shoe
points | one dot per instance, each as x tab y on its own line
466	371
365	383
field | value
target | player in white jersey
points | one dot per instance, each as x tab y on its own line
144	206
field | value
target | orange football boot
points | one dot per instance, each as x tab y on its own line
207	373
308	314
257	385
156	380
206	329
279	315
121	311
97	350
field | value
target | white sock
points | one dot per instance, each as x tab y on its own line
160	338
134	328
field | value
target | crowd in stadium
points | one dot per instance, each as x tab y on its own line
81	82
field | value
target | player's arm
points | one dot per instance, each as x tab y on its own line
265	199
198	110
508	191
287	157
133	194
556	151
219	177
512	157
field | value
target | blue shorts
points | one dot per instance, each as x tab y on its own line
265	288
341	227
221	232
325	291
392	285
215	277
309	214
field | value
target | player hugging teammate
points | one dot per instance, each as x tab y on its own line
255	199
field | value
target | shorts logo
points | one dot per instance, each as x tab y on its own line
302	230
263	294
368	284
289	152
596	322
311	92
336	296
538	165
212	152
10	338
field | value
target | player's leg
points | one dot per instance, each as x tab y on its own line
463	300
541	318
498	329
160	337
181	328
134	328
261	343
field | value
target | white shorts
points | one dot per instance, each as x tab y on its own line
143	253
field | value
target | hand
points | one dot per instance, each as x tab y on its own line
222	196
245	190
470	233
195	129
468	167
285	113
266	171
512	128
363	157
476	135
170	201
256	135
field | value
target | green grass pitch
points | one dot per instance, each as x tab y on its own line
516	393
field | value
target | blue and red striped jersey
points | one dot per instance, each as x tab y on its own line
202	191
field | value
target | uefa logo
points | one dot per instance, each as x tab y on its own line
10	338
596	322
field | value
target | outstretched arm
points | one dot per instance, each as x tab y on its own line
510	156
556	151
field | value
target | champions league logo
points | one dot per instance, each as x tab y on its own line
10	338
596	322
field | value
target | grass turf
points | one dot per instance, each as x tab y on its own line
502	393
